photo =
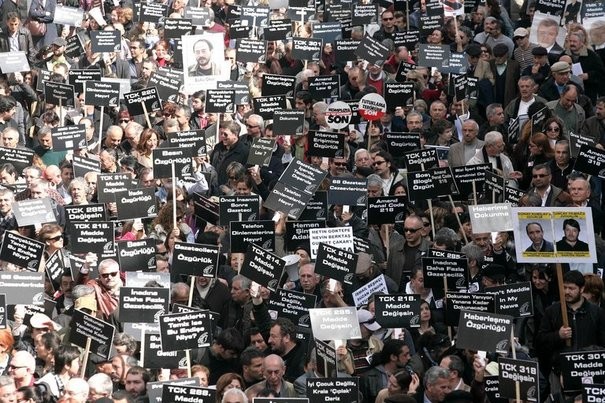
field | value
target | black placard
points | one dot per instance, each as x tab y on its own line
242	93
346	49
195	259
147	96
261	233
274	84
84	326
579	365
591	160
482	331
363	14
457	302
19	158
192	139
200	16
492	390
419	160
190	394
396	311
136	203
321	87
155	389
264	106
143	304
327	364
397	94
174	28
238	208
152	12
297	233
137	255
328	31
577	140
261	151
95	237
250	50
436	269
84	165
593	393
338	390
59	93
288	122
348	191
154	357
101	93
316	208
429	184
109	184
68	138
303	176
239	31
21	251
277	32
400	143
512	196
262	267
88	212
386	210
494	184
336	263
523	372
325	144
205	209
513	299
74	47
77	78
307	48
220	101
372	50
163	159
437	56
23	287
292	305
167	87
464	176
106	41
34	211
185	331
55	267
409	39
3	318
287	199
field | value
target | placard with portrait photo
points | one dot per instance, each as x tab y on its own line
204	61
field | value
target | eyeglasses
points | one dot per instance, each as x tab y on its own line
387	19
107	275
539	175
340	164
554	129
412	230
55	238
124	120
485	51
251	126
233	178
375	163
11	366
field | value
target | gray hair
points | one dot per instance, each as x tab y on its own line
81	290
473	252
246	282
374	179
101	383
492	137
435	373
235	391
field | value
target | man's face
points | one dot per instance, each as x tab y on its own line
412	227
228	137
6	203
579	190
534	232
353	78
13	25
363	160
600	110
488	26
437	391
569	98
388	20
299	104
238	294
10	139
78	193
526	88
381	166
540	178
46	141
110	277
136	49
493	150
38	192
8	393
30	175
147	70
437	111
561	154
135	385
547	36
308	279
253	127
67	174
404	356
498	117
573	293
113	139
255	369
374	190
118	370
258	342
483	241
414	122
561	78
469	132
66	285
203	54
276	340
338	165
6	178
197	104
571	233
574	43
273	372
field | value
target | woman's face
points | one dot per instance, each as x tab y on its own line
393	386
304	257
161	52
237	259
152	142
534	149
425	313
484	54
74	367
552	131
400	191
446	135
41	350
537	280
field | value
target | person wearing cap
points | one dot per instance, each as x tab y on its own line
17	38
540	69
493	275
506	72
58	54
560	76
522	52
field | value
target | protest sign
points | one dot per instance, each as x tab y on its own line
396	311
484	331
147	279
297	233
74	46
84	165
167	87
316	208
522	371
189	394
95	237
238	208
200	16
591	161
21	251
220	101
55	267
193	139
69	138
455	271
491	217
79	77
492	389
291	305
59	93
264	106
163	159
262	267
195	259
307	48
402	71
303	176
143	305
328	31
338	115
261	233
20	158
152	12
346	49
419	160
238	31
341	237
174	28
34	212
398	93
101	93
261	151
512	196
338	390
23	287
87	212
456	302
13	62
513	299
494	185
580	367
84	326
430	184
464	176
386	209
593	393
105	41
277	32
155	389
336	263
136	255
288	122
205	209
372	50
154	357
288	200
335	323
437	56
327	364
325	144
372	107
321	87
143	101
361	295
185	331
250	50
3	317
348	191
577	140
274	84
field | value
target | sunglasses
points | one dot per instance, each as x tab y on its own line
55	238
124	120
411	230
554	129
340	164
378	163
107	275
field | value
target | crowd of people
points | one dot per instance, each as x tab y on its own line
253	354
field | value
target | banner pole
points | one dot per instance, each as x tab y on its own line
146	115
458	218
100	129
85	357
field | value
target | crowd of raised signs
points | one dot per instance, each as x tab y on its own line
333	201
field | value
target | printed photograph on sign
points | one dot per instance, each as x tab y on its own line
203	61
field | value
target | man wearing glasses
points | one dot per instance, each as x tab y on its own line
406	250
21	368
387	27
107	285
